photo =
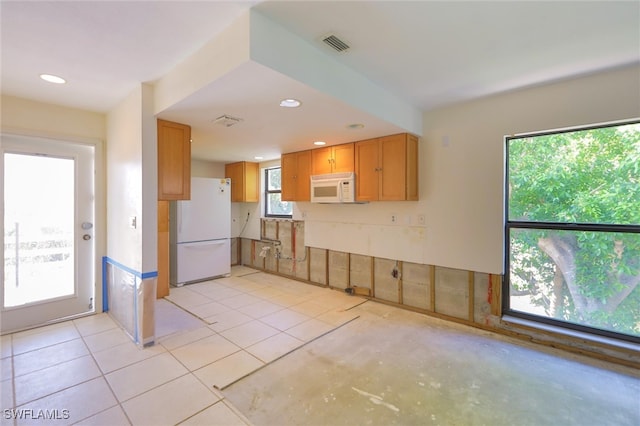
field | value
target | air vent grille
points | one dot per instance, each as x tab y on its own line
227	120
335	43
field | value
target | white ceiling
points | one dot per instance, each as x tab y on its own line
428	53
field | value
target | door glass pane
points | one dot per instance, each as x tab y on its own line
38	228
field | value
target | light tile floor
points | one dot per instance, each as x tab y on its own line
88	371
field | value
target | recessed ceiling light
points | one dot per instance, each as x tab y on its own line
355	126
290	103
319	143
53	78
257	157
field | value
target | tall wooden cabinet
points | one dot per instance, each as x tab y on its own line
332	159
174	183
296	176
245	181
162	288
174	161
387	168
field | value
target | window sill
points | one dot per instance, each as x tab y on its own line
592	339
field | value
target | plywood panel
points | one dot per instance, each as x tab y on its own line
338	269
452	292
246	250
235	251
386	286
360	270
301	253
285	264
259	261
482	304
416	285
318	265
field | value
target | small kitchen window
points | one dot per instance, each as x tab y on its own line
273	204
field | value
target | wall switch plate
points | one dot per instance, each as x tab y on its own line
421	219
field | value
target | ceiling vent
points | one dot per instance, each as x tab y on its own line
227	120
335	43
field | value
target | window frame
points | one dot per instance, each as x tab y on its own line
268	192
510	225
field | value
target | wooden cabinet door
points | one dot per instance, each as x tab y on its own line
321	161
251	182
413	193
174	161
303	176
393	157
343	158
289	165
233	171
296	173
245	181
367	155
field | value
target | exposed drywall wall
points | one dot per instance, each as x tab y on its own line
469	297
461	175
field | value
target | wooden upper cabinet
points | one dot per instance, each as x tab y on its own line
367	166
174	161
296	174
387	168
245	181
332	159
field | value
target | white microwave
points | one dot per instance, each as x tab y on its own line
333	188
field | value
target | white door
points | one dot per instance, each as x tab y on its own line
49	252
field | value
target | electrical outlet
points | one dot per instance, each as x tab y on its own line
394	218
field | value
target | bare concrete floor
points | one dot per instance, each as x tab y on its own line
392	366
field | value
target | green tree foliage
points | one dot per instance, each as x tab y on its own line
585	177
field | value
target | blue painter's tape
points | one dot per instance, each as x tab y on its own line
146	275
141	275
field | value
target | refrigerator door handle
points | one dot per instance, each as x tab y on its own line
201	246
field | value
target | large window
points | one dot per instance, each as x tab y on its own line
573	229
274	206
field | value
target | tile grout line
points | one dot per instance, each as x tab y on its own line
103	377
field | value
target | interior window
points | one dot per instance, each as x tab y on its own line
274	206
573	229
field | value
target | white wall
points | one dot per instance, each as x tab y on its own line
148	221
124	181
461	175
202	168
26	117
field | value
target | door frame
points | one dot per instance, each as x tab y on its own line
100	211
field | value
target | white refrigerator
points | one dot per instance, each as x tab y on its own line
200	232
